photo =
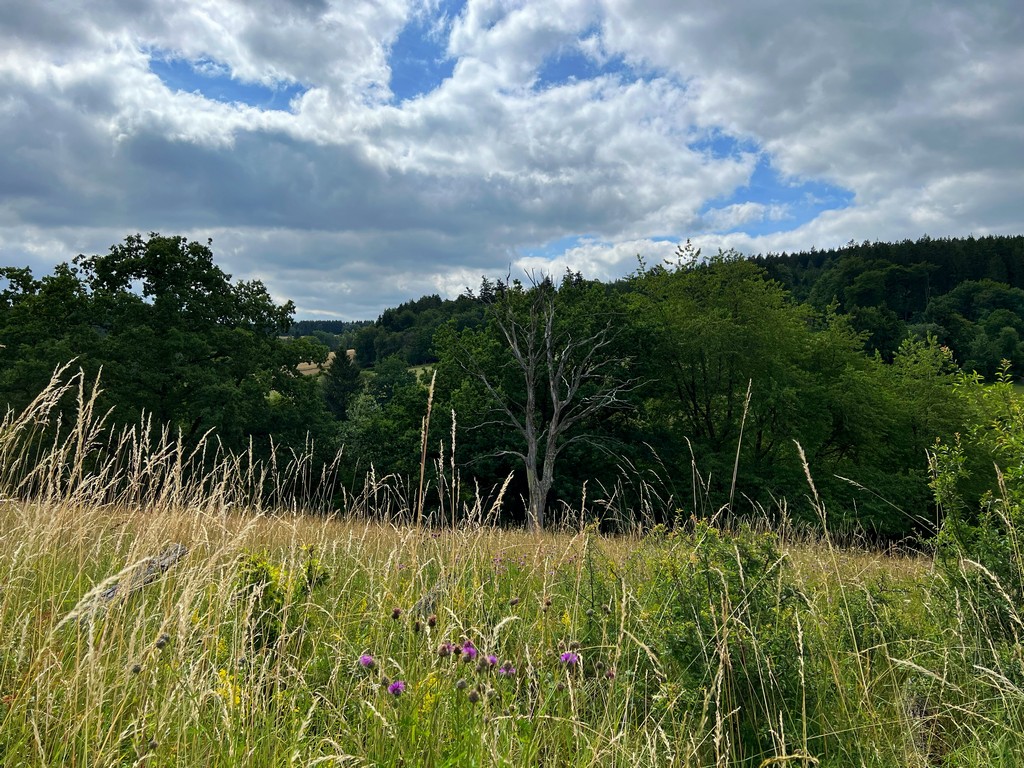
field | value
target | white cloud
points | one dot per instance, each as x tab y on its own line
348	202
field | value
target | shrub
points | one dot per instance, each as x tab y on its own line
730	634
267	589
979	546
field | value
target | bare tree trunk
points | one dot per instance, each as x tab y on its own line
576	371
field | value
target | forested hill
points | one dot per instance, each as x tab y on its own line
408	329
968	292
334	334
946	263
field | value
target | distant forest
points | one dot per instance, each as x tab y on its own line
966	292
710	376
334	334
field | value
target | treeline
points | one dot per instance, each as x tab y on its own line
174	341
408	329
967	292
687	382
333	334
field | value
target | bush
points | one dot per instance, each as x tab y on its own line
730	634
979	546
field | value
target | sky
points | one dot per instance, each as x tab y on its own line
354	155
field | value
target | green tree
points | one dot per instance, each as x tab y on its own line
177	340
384	421
44	323
714	328
198	351
341	383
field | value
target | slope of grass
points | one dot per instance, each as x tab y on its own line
290	639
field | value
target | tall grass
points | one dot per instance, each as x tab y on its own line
282	637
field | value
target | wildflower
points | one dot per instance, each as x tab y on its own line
569	658
396	613
506	669
469	650
610	674
367	661
397	688
461	684
474	696
162	641
445	649
152	744
136	668
514	602
431	620
416	626
492	659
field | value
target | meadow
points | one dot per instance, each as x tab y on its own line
285	635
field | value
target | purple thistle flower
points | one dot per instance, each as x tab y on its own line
569	658
397	688
492	659
469	650
445	649
367	661
506	669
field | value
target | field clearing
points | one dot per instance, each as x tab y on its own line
295	639
570	649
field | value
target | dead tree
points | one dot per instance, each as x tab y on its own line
568	375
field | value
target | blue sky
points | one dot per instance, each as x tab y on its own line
209	78
418	60
355	154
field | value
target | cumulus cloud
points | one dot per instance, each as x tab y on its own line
616	126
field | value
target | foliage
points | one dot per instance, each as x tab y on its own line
408	330
341	383
980	545
176	338
384	421
850	353
984	320
729	624
272	596
713	329
891	289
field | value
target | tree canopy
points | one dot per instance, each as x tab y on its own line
692	381
177	341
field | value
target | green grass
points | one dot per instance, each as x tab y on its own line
691	646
